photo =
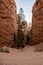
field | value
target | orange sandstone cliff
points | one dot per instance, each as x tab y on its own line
37	23
8	22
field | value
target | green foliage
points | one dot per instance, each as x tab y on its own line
20	41
28	38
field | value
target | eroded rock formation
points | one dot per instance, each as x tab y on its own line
37	23
8	21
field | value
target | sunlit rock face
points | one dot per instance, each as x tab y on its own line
8	21
37	23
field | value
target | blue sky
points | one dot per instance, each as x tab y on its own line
27	7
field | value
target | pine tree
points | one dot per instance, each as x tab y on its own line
20	37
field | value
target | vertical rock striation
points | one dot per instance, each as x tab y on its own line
8	21
37	23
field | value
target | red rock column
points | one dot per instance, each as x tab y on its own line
8	21
37	23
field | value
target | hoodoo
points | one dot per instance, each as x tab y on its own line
37	23
8	21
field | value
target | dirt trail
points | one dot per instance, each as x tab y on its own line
25	56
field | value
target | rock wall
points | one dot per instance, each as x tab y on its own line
37	23
8	22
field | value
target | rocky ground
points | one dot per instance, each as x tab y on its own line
26	56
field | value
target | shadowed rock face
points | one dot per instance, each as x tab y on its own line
37	22
8	21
